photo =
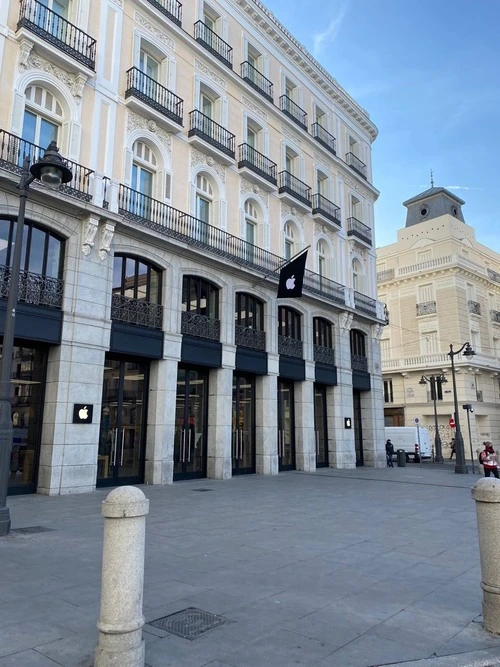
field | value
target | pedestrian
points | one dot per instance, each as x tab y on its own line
389	450
488	460
452	445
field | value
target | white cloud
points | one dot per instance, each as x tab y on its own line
461	187
328	36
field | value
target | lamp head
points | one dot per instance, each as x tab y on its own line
51	169
443	379
468	352
422	380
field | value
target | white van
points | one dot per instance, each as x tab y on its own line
406	437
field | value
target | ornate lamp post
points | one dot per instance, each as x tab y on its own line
435	381
52	171
460	466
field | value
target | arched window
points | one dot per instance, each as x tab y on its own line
289	247
359	362
249	322
43	116
323	341
289	332
204	199
251	222
136	292
144	166
200	308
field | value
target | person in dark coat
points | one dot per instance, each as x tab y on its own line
389	450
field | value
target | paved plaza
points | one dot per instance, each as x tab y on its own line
336	568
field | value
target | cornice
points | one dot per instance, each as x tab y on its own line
387	285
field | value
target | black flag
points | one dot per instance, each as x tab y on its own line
292	277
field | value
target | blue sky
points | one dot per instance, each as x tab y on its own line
428	73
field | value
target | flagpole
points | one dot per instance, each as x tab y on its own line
281	266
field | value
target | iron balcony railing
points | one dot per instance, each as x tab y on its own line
288	183
493	275
324	138
356	164
323	206
213	43
172	9
293	111
200	326
426	308
383	276
248	337
359	363
34	288
324	355
136	311
260	164
290	347
156	96
207	129
53	28
358	229
474	307
365	304
495	316
13	150
164	219
257	80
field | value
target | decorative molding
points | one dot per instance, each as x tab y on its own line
159	34
377	330
78	85
286	209
75	83
346	321
90	231
320	159
197	158
25	47
136	122
105	238
254	107
290	135
247	186
213	76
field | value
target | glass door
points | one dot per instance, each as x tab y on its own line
123	423
320	426
243	431
286	426
190	440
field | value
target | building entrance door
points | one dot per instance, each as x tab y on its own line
122	434
286	425
320	426
190	440
243	425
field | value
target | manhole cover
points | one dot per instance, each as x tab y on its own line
202	490
30	530
189	623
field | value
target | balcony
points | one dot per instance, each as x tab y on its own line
257	80
314	283
248	337
365	304
144	93
200	326
13	149
324	138
426	308
172	9
359	230
213	43
293	111
495	316
136	311
34	289
293	190
356	165
257	167
385	276
493	275
359	363
325	211
290	347
324	355
52	30
474	307
205	134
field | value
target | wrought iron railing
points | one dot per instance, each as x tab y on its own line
356	164
324	138
136	311
474	307
324	355
34	288
365	304
323	206
13	150
201	326
213	43
207	129
257	80
495	316
324	287
288	183
383	276
290	347
359	363
248	337
38	18
426	308
358	229
172	9
149	91
293	111
260	164
493	275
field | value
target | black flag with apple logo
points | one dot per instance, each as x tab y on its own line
292	278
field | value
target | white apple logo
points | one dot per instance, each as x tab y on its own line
290	283
83	413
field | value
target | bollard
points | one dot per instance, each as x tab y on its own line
121	619
486	493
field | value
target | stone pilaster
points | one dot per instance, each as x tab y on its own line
266	419
220	401
341	450
305	448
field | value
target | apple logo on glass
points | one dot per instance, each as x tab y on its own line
290	283
83	413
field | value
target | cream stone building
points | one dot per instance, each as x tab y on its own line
207	147
441	287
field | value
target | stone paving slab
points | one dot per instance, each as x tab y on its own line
337	568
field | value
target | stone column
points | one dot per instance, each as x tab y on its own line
120	642
305	447
486	493
266	420
220	402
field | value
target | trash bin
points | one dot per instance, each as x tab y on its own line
401	454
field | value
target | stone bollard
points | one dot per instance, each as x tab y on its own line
486	493
120	624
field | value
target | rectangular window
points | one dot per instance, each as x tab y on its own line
429	342
320	117
424	256
385	348
426	293
388	394
322	184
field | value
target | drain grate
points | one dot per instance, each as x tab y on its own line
189	623
31	530
201	490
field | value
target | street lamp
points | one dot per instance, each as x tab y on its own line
436	381
460	466
52	171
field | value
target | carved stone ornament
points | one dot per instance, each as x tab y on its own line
286	209
320	159
159	34
213	76
346	321
197	158
247	186
75	83
105	238
136	122
25	47
377	330
253	107
290	135
89	233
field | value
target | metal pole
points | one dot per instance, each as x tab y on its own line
460	466
470	440
437	437
419	448
7	352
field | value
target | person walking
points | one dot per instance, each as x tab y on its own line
389	450
488	460
452	445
